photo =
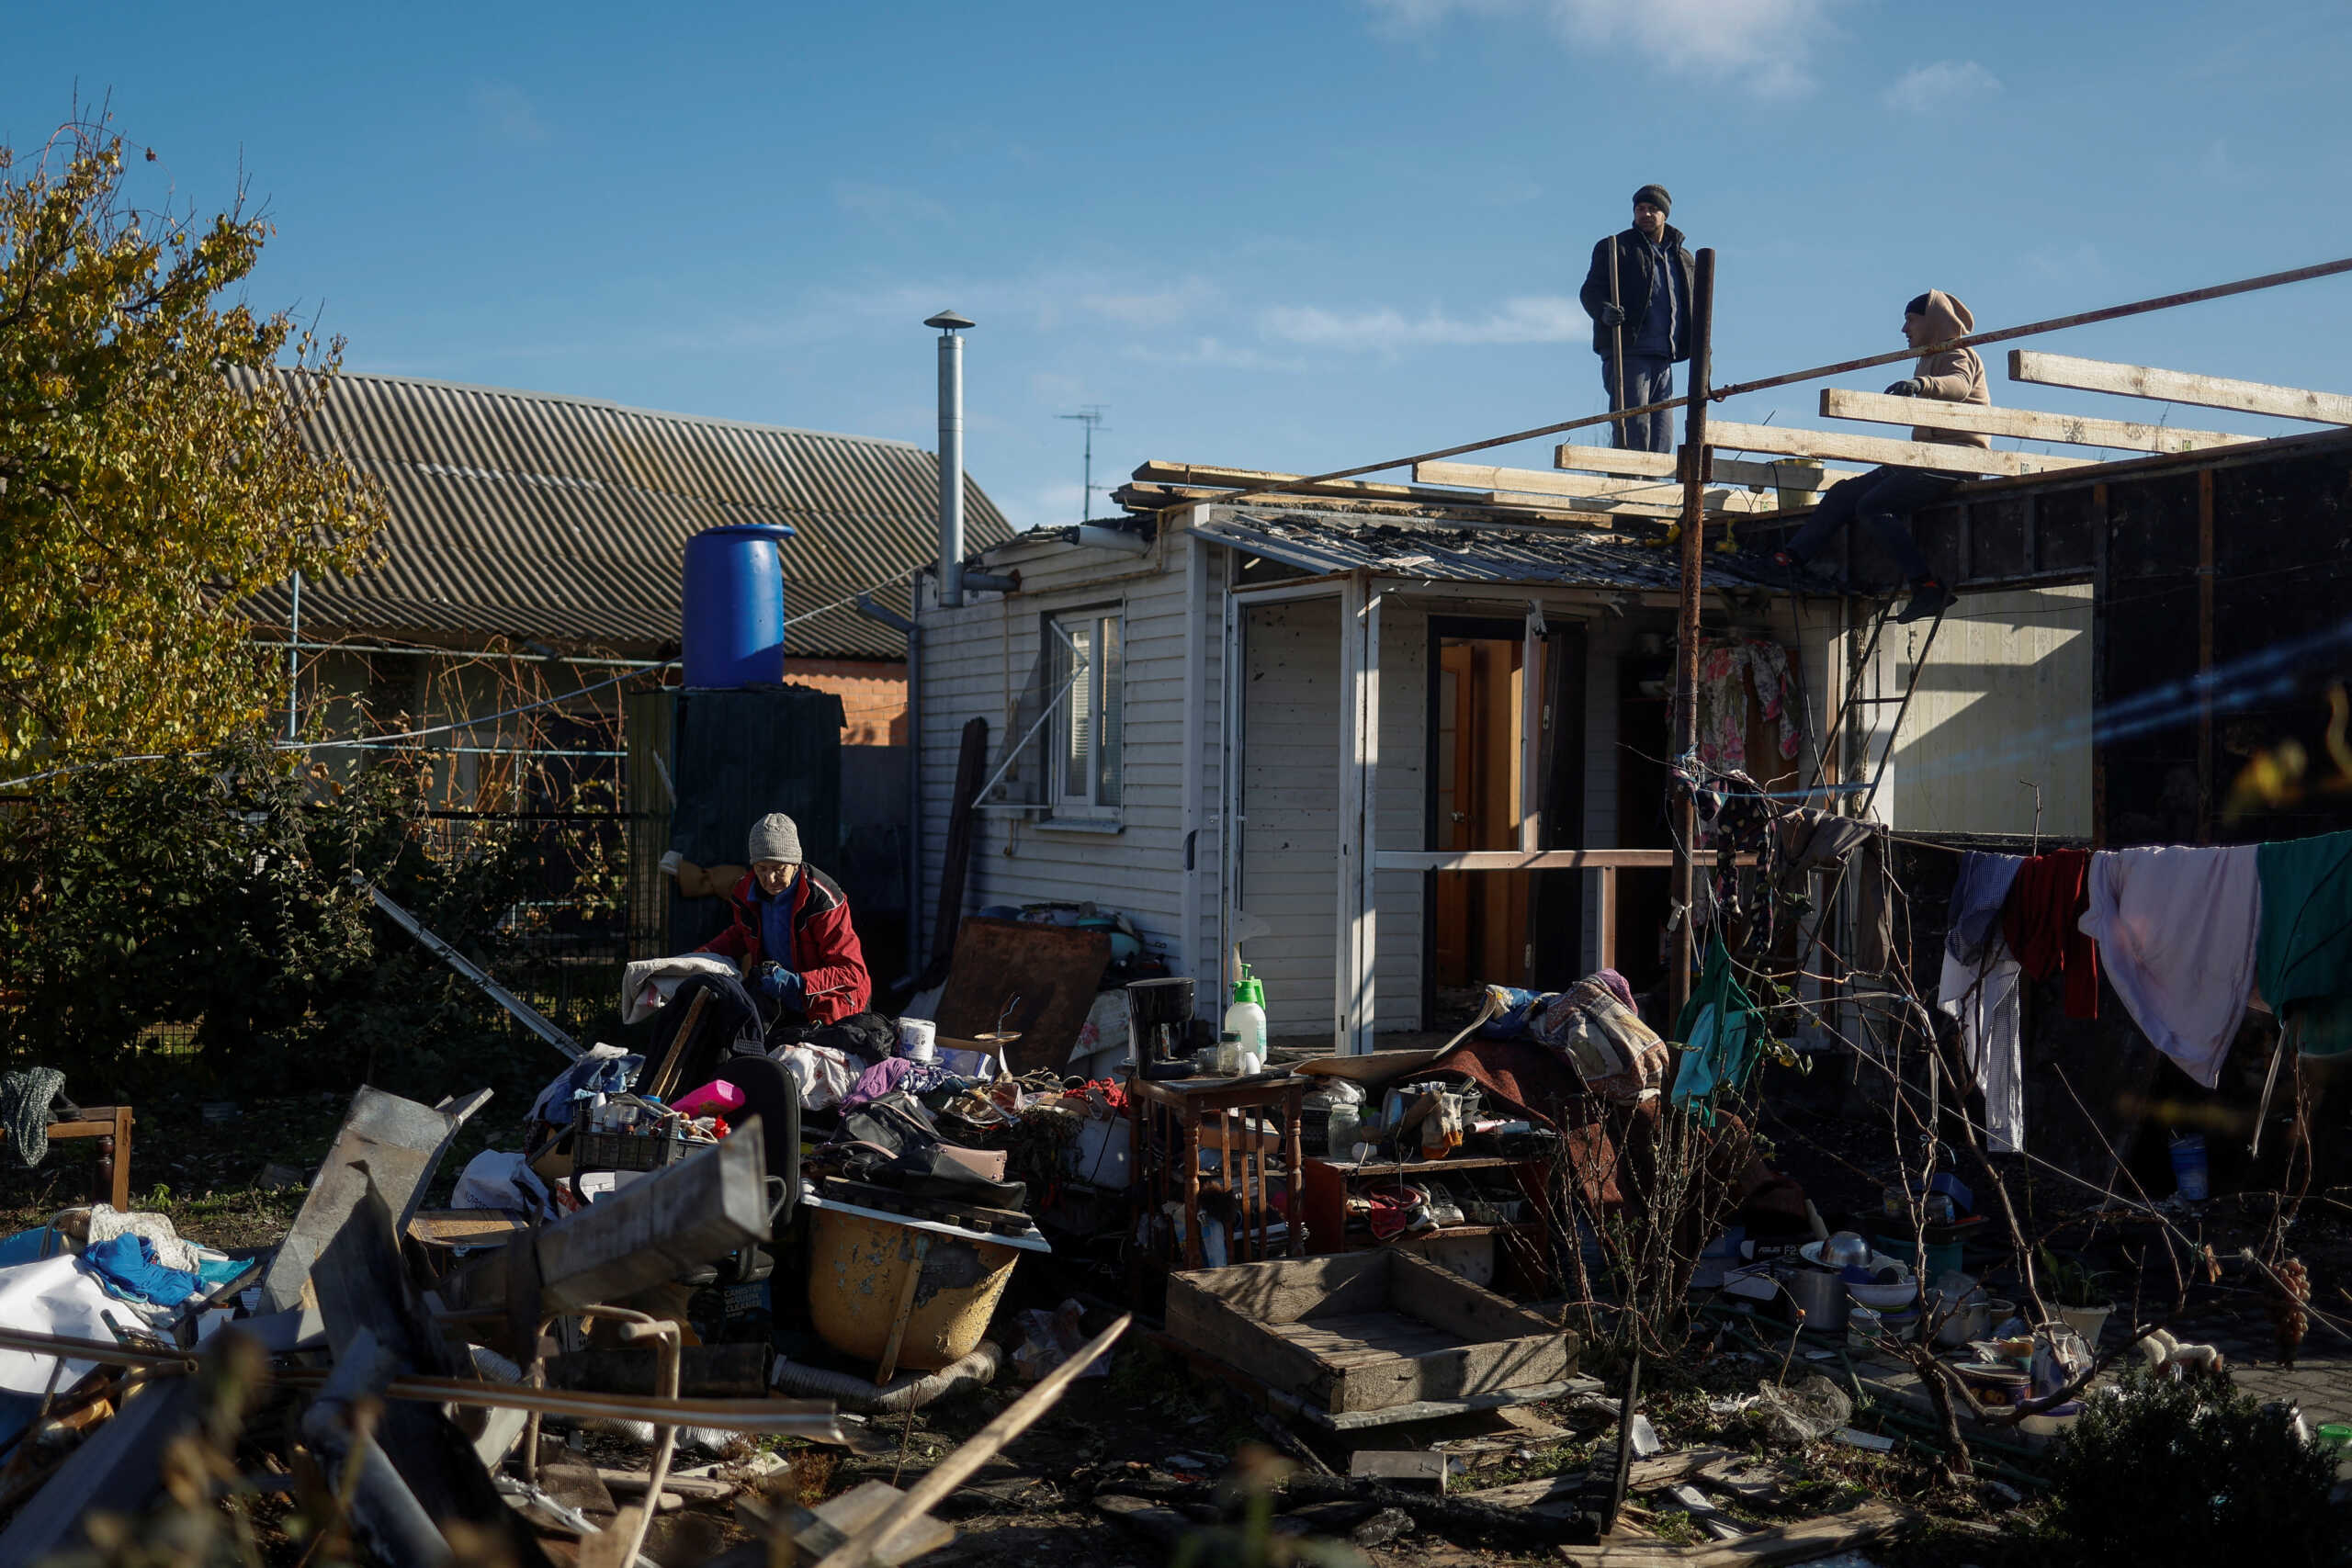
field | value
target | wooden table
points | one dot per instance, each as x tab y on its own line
1177	1119
112	1125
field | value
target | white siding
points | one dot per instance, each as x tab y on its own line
1290	807
977	661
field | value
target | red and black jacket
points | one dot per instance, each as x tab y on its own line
825	951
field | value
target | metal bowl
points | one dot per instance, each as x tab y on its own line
1841	1250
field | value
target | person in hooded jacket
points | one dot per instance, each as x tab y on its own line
1885	497
792	933
1641	316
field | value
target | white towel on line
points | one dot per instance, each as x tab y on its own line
2175	929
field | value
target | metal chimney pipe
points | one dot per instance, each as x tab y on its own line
951	456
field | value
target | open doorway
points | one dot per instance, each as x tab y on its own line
1479	930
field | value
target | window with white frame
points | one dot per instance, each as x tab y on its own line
1090	722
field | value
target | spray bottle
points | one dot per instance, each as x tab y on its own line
1246	1016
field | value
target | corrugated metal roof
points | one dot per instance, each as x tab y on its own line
1449	552
525	515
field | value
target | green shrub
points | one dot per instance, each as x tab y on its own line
2184	1472
208	900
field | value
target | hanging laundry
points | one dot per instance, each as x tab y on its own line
1725	669
2175	931
1983	996
1972	920
1719	1029
1722	706
1781	692
2303	955
2043	925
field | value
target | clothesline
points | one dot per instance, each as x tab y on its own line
2187	935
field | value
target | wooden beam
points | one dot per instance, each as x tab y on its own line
1723	470
1529	860
2027	424
1240	478
1657	497
1615	460
1882	449
1138	496
2179	387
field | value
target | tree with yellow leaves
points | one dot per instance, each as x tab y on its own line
153	470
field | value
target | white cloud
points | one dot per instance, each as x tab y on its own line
1216	353
1151	307
1946	85
1534	318
508	111
1765	46
887	204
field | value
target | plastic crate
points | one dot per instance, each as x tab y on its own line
622	1151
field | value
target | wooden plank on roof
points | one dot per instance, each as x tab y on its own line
2027	424
1650	497
1885	449
1723	470
2179	387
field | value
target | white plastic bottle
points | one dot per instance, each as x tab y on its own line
1246	1016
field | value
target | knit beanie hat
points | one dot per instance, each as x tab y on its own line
775	837
1655	196
1917	306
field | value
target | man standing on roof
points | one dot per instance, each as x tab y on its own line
1885	497
1638	292
792	932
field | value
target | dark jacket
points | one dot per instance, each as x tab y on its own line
825	951
1633	287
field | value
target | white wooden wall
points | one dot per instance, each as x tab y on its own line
977	660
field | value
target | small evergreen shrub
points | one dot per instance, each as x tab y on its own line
2192	1471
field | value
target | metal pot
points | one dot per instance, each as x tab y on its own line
1820	1293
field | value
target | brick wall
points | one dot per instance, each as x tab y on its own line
873	694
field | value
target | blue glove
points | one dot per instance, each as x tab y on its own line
777	982
1611	316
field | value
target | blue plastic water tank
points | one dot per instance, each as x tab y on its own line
732	623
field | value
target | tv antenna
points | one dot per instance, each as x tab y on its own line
1090	416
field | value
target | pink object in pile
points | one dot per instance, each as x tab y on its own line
711	1098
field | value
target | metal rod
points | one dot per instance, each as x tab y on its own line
1739	388
294	667
1682	808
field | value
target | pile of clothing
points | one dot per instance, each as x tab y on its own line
2184	935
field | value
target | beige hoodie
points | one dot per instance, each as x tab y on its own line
1956	375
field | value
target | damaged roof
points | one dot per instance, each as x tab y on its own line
527	515
1455	552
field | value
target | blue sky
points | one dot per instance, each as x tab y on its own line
1291	236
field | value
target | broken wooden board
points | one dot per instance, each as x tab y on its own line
400	1143
1366	1332
2179	387
118	1468
1050	972
2025	425
1437	1409
1949	459
1566	1491
654	1229
1785	1543
1425	1465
